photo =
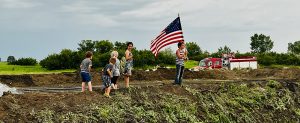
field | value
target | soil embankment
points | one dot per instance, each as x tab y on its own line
264	95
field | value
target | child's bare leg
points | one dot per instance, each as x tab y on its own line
107	91
82	86
90	86
126	79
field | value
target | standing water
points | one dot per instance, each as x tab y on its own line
5	88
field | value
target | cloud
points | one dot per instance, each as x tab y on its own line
211	23
89	13
13	4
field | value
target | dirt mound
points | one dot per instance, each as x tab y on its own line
278	73
169	74
16	80
236	102
73	79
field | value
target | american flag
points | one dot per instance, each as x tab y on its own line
171	34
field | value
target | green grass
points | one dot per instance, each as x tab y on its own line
279	66
17	69
189	64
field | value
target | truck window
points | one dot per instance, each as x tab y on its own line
217	63
202	63
210	63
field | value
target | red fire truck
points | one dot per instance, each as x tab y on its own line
228	61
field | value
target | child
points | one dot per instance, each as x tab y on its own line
107	75
181	56
85	68
129	63
116	70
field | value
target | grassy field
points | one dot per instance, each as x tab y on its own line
37	69
17	69
189	64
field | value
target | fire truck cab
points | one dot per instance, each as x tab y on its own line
210	63
228	61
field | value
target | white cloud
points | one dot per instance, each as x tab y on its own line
78	7
12	4
87	13
211	23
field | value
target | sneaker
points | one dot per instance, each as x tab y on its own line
106	95
113	86
175	83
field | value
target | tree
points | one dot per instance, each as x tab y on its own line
25	62
103	46
294	47
86	45
11	59
166	57
261	43
193	49
225	50
120	45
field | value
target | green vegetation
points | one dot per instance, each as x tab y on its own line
280	66
230	103
261	43
68	59
6	69
24	62
188	64
294	47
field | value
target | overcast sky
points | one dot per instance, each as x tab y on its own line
36	28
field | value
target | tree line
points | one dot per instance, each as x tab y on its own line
68	59
261	46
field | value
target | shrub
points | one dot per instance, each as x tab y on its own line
67	59
11	59
100	60
265	59
24	62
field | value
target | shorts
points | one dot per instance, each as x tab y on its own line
85	76
128	67
106	81
127	72
114	79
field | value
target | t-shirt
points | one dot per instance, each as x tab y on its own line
85	64
116	68
108	66
129	63
178	60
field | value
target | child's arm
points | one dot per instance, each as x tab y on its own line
127	56
185	54
109	73
90	67
178	55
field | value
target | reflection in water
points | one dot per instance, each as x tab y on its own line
5	88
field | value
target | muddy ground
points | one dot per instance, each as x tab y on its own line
206	96
73	79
